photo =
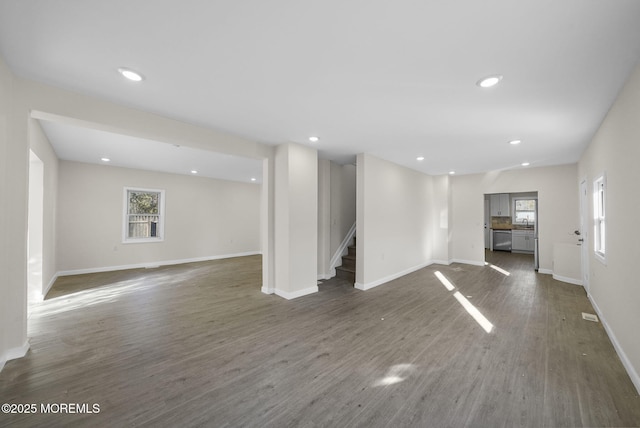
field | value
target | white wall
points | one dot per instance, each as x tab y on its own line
395	221
441	214
558	208
42	148
204	218
35	228
14	161
6	104
613	287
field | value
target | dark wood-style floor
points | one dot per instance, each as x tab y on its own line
200	345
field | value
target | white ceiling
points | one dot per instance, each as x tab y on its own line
90	146
394	79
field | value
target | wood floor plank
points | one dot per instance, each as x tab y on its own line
199	345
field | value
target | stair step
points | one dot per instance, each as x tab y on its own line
348	269
346	273
349	262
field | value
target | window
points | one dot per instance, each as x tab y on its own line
599	221
143	215
524	211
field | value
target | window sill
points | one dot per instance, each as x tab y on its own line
600	257
142	240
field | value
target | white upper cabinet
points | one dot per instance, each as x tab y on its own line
499	204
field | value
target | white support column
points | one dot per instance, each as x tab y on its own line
296	220
267	225
324	219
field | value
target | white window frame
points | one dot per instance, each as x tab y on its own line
599	218
125	217
524	198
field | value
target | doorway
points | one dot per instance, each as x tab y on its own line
35	225
512	220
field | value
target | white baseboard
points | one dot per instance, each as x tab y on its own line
386	279
153	264
567	279
293	295
468	262
322	277
545	271
267	290
13	353
631	371
48	287
441	262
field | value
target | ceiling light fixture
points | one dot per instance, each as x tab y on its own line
525	164
515	142
451	172
105	159
420	158
314	139
253	179
489	81
134	76
193	171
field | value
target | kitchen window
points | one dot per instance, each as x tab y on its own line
599	219
143	215
524	211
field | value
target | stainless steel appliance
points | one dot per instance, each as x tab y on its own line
501	240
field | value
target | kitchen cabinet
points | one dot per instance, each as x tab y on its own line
499	204
522	241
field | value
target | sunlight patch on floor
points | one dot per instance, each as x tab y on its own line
102	295
444	280
396	374
474	312
87	298
499	269
466	304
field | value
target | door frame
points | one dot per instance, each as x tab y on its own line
584	232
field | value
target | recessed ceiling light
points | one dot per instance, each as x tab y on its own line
105	159
515	142
451	172
420	158
489	81
130	74
525	164
314	139
193	171
253	179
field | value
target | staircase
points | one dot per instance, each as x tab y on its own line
348	269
